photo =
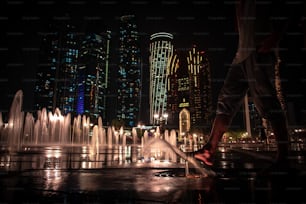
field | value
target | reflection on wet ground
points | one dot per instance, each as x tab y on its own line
125	175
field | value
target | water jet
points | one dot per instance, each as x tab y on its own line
75	143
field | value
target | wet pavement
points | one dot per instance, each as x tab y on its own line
75	175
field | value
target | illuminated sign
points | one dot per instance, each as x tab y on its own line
185	104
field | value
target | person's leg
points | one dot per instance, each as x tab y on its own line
280	130
229	100
219	127
261	78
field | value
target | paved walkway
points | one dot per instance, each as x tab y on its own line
237	181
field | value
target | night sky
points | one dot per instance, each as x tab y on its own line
208	24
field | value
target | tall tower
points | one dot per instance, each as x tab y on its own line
129	72
200	87
189	89
56	75
67	74
161	49
93	75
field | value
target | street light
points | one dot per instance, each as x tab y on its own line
159	119
140	127
165	115
156	116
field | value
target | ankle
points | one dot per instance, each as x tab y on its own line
205	147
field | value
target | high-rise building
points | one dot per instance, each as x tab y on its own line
189	90
67	74
129	72
56	75
73	71
201	96
93	80
161	49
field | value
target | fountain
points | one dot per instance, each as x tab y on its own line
163	144
80	144
14	127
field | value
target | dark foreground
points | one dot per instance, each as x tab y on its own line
30	178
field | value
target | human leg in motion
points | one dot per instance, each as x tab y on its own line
266	101
220	126
229	100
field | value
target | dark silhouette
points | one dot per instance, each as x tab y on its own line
260	24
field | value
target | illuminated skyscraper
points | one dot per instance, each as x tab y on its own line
201	96
56	75
93	78
161	49
129	72
73	73
189	89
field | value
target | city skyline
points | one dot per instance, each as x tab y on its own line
24	34
208	24
25	28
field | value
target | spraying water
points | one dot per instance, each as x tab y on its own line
56	129
165	145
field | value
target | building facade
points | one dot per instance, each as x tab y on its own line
189	90
55	85
129	72
93	80
73	71
161	49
